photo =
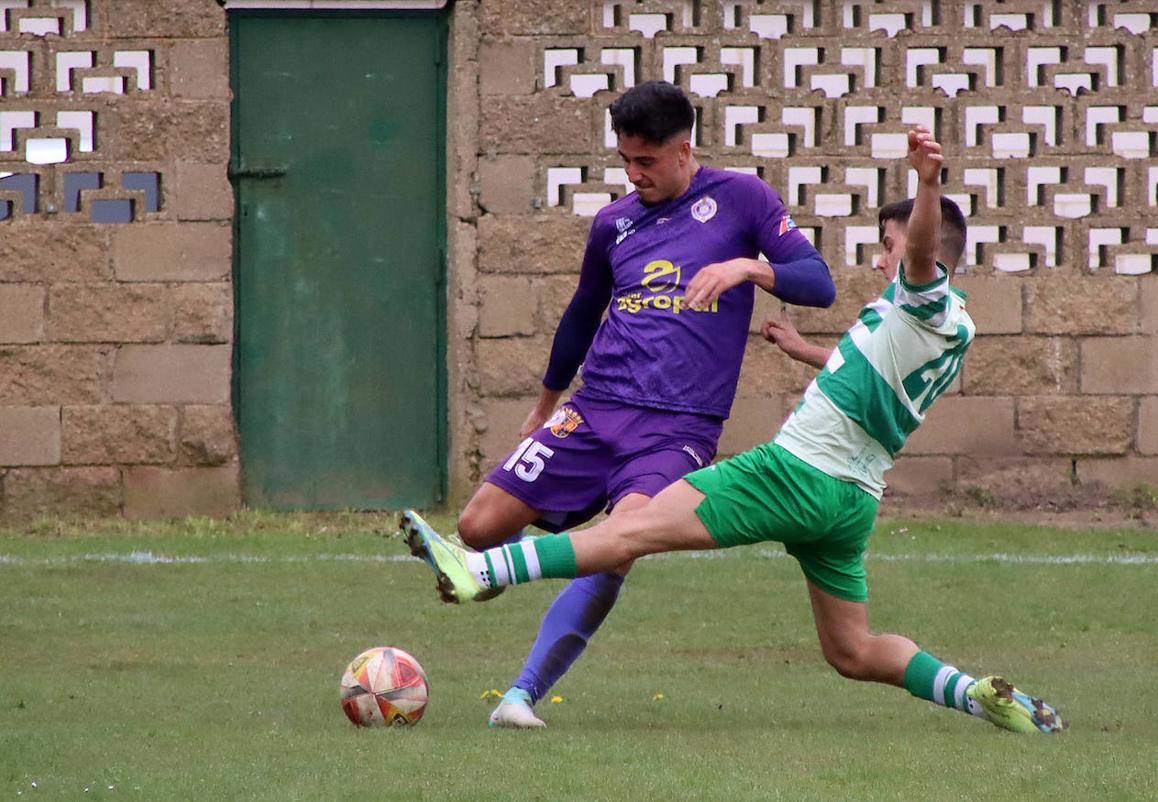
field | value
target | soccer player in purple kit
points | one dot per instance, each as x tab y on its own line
675	266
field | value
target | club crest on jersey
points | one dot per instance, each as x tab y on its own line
786	224
704	209
563	422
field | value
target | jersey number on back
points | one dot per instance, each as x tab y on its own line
927	382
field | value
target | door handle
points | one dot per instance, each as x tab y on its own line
257	172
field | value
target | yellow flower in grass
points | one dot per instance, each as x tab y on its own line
657	697
557	699
493	693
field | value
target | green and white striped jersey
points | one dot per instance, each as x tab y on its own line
903	351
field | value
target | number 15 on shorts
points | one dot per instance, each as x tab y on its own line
529	460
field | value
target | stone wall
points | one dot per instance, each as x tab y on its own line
1049	116
115	221
115	258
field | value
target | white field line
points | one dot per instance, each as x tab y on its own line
153	558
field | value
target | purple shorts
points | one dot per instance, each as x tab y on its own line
592	453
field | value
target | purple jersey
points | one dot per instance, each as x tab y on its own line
652	350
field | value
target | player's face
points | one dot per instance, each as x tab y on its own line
656	169
893	242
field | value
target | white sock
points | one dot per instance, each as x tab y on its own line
961	684
512	564
477	564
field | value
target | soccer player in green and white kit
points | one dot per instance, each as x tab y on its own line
816	486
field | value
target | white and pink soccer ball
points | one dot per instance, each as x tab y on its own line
384	687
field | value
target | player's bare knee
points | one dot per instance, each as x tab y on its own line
845	664
848	658
475	529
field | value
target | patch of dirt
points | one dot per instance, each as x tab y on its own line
1086	505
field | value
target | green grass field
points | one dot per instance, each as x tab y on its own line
201	661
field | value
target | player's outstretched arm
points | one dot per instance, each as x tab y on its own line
788	339
924	230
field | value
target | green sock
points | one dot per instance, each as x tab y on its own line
548	557
928	678
556	556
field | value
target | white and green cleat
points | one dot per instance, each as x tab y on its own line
514	712
456	583
1010	709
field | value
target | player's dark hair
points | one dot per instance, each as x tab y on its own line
953	226
654	110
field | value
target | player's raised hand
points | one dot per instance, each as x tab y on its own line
711	281
925	154
923	239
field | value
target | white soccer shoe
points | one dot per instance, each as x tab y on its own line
515	713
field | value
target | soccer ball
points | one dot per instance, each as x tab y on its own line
384	687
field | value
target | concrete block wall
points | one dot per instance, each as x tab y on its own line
1048	115
115	339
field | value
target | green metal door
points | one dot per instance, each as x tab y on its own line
338	139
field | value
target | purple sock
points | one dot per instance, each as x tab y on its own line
570	620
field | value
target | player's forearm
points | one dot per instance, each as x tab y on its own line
924	233
803	282
759	273
573	337
814	355
548	400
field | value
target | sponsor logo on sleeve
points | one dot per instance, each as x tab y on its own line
786	224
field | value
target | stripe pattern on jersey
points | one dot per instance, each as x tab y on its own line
904	350
868	384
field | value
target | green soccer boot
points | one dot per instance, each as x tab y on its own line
456	583
1010	709
486	594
